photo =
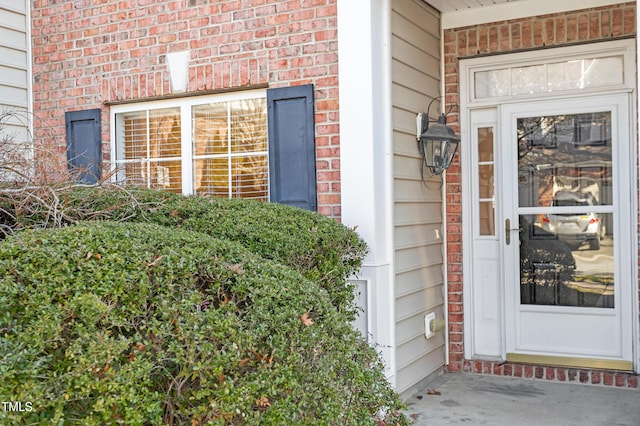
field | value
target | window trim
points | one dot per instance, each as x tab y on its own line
469	66
185	104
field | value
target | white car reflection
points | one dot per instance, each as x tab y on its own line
572	227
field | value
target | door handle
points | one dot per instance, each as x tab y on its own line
508	229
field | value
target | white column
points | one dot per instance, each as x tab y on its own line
366	156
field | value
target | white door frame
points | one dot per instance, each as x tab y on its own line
525	324
469	103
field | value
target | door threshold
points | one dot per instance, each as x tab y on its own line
562	361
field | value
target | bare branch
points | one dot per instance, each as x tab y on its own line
37	189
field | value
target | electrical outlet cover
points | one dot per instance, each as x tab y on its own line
427	324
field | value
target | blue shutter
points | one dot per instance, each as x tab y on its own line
292	150
84	144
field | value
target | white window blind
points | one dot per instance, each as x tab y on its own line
230	149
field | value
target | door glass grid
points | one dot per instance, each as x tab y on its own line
565	198
486	181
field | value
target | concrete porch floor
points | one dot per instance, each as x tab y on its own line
473	399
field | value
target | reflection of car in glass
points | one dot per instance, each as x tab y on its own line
575	227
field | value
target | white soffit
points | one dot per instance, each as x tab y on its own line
464	13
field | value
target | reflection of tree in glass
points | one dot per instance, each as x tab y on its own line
538	245
572	147
249	135
230	148
542	131
545	262
569	133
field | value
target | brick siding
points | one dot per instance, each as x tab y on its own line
595	24
89	53
619	379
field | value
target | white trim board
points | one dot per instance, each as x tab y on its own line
366	167
515	10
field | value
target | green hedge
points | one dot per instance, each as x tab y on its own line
123	323
320	248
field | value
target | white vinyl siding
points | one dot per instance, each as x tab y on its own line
418	239
14	75
15	99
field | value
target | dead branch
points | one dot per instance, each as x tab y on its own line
29	199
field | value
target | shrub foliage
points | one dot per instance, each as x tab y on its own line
318	247
125	323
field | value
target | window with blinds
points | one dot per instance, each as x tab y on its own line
230	149
149	148
214	145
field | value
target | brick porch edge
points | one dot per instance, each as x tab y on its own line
621	379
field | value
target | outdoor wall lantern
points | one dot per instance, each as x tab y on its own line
437	143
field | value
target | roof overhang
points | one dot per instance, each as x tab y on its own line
456	14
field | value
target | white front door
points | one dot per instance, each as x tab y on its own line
564	224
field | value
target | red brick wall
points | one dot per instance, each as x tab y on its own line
88	53
596	24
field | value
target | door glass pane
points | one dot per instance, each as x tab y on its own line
596	72
485	144
487	218
527	80
563	157
564	178
572	74
486	181
492	84
567	260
